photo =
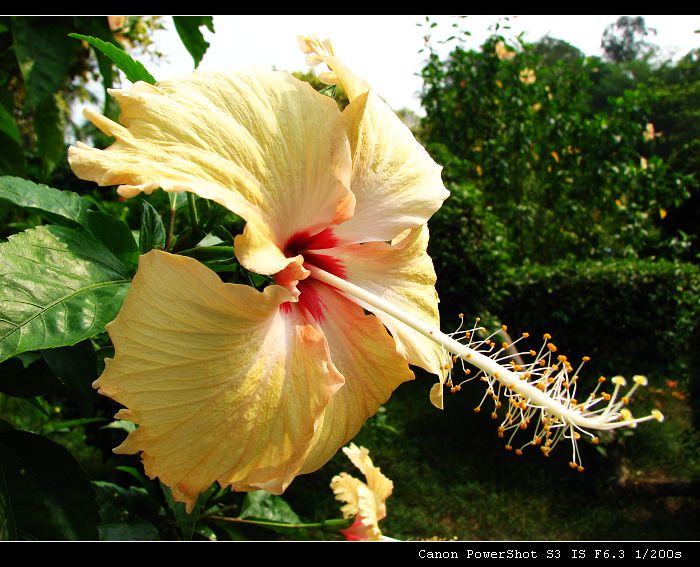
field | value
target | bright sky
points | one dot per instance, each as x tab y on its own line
384	49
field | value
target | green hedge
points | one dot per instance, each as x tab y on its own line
630	316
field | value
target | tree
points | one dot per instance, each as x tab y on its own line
625	41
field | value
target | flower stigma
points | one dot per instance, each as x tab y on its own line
539	395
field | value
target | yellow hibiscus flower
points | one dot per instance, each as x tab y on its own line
366	502
251	388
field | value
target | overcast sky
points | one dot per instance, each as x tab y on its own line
384	49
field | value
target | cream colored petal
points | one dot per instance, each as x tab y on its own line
345	488
380	486
263	144
318	51
403	274
397	185
223	384
369	513
365	354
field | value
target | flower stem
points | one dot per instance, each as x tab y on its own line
334	524
194	221
171	227
504	375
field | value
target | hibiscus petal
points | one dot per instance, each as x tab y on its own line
380	485
223	385
263	144
366	356
345	487
396	183
403	274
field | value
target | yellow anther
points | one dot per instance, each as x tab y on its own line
494	415
577	435
542	361
461	315
498	404
552	347
586	358
501	431
504	327
541	387
619	380
625	414
561	358
519	452
595	440
523	425
573	465
536	441
546	336
508	448
601	379
554	367
526	335
641	380
657	415
625	400
504	346
533	353
455	389
606	396
477	409
579	468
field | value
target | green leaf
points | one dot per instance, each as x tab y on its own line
48	125
58	286
177	199
76	367
44	494
8	125
12	160
44	55
186	522
33	380
152	230
116	235
192	38
133	69
262	505
59	207
125	506
138	531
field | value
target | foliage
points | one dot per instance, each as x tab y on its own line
625	41
470	251
564	180
629	316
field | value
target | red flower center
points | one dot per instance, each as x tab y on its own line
307	245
